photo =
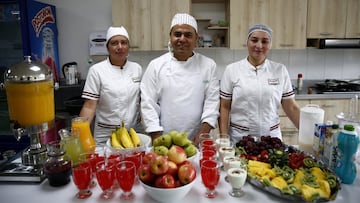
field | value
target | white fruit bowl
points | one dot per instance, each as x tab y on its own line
167	194
145	143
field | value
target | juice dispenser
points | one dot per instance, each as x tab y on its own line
30	94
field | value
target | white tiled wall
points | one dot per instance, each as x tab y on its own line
313	63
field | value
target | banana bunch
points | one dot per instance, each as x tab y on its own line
121	138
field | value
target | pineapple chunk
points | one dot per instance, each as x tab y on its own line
279	182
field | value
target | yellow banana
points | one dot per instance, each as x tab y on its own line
124	137
134	137
114	141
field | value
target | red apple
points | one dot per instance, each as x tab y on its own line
165	181
185	162
173	168
159	165
147	157
186	173
176	154
145	173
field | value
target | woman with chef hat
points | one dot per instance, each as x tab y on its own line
252	90
179	89
112	88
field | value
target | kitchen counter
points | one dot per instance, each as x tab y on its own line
347	95
26	192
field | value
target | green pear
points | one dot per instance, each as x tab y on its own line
163	140
180	139
161	150
190	150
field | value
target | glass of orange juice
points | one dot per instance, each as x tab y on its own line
86	137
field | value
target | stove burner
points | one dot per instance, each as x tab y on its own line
330	85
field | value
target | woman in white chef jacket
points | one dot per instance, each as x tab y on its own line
112	88
252	90
179	90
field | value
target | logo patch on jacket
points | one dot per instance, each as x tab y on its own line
275	81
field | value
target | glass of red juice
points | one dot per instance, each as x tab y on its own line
125	175
105	175
210	175
136	158
82	176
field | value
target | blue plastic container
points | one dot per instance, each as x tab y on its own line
348	141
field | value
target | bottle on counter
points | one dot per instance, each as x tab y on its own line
347	143
299	83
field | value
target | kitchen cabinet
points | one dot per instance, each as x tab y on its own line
287	18
147	21
285	123
212	17
353	19
333	19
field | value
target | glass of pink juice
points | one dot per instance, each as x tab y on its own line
125	175
105	175
210	175
82	177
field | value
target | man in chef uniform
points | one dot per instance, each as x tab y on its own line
253	89
112	88
179	90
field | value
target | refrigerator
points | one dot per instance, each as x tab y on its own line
30	26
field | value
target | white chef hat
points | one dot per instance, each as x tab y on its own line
184	18
113	31
260	27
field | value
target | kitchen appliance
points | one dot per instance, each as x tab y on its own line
30	96
70	73
333	86
334	43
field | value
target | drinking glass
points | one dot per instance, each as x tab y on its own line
207	155
82	177
92	158
210	175
136	158
125	175
204	136
237	177
208	144
222	142
226	151
105	175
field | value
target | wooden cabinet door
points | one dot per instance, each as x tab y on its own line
288	21
353	19
285	122
243	14
287	18
147	21
134	15
326	18
162	12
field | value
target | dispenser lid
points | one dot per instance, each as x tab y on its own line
349	127
28	71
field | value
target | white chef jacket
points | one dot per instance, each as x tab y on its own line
179	95
255	97
118	94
